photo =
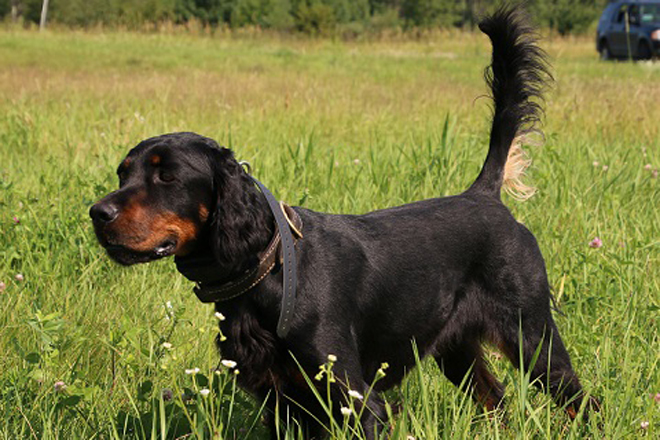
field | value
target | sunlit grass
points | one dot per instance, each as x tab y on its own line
339	127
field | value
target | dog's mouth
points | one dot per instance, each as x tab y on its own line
127	256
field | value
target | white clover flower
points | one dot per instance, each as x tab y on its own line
169	305
19	277
204	392
644	425
346	411
227	363
220	316
356	395
167	345
332	358
59	386
192	370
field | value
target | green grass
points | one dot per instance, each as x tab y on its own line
338	127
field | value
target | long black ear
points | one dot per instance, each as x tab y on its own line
241	223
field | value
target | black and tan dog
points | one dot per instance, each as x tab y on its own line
447	273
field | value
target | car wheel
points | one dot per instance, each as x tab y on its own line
644	51
605	53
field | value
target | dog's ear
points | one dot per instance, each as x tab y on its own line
241	223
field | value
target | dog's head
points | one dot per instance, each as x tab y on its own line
178	193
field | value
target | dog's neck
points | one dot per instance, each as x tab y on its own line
233	238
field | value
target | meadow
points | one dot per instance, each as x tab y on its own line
94	350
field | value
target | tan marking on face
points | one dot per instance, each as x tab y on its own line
141	229
203	213
126	162
155	159
165	226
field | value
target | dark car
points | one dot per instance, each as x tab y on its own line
629	29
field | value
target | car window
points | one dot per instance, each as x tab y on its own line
618	18
650	13
633	14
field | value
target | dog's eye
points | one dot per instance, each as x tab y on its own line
166	176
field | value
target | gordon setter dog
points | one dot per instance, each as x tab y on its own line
438	277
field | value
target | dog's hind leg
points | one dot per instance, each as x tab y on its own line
551	369
463	363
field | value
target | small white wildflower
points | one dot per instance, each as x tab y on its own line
356	161
605	168
332	358
220	316
167	345
192	370
19	277
346	411
380	373
3	286
227	363
169	305
204	392
645	424
59	386
356	395
596	163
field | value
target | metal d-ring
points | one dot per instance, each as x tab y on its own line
246	166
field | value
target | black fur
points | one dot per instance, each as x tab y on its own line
517	77
241	224
447	273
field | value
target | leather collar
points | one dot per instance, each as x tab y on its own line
212	286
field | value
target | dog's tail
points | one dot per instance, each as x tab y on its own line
517	77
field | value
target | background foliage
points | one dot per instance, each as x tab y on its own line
309	16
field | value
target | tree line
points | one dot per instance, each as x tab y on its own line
307	16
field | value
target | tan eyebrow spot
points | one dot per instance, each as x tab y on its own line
126	162
155	159
203	212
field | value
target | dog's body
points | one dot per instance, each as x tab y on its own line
444	275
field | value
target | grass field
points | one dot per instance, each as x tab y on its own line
334	126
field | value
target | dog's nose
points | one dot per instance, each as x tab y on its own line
103	212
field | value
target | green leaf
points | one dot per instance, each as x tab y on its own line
33	358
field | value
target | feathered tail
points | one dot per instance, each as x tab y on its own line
517	77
